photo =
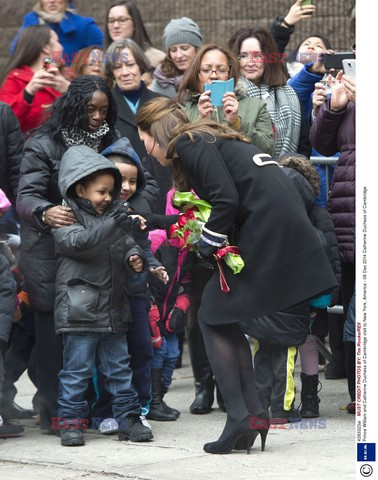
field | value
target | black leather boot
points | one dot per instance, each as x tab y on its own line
157	411
167	407
309	396
203	375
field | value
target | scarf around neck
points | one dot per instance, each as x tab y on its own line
285	113
76	136
162	79
50	18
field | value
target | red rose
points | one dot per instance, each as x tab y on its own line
190	213
182	220
173	229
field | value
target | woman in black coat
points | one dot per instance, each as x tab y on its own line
284	261
86	115
125	64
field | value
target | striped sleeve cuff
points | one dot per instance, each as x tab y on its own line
213	238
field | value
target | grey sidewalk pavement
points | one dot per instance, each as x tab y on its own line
293	452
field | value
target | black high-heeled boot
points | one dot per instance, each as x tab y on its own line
260	425
241	432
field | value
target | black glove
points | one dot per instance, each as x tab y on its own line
206	251
159	221
176	321
127	223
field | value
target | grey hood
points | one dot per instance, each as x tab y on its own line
79	162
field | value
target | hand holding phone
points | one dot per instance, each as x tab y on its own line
307	3
349	67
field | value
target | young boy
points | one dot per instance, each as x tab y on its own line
124	157
92	309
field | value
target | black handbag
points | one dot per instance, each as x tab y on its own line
279	328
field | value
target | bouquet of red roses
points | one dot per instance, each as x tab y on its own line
188	228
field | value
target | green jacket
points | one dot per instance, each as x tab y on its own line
254	116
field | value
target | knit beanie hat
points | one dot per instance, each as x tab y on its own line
182	30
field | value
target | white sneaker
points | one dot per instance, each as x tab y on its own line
145	422
108	426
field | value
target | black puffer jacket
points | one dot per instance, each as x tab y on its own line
92	255
11	150
8	291
38	190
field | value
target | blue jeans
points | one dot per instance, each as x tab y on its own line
166	357
110	353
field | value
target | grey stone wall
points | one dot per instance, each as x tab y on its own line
218	19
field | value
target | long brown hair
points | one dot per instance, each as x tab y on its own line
30	43
275	74
165	121
140	35
191	82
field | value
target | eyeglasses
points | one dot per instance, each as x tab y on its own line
121	20
221	71
251	57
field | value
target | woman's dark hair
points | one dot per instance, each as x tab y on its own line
275	74
29	45
70	110
190	81
165	121
322	37
140	35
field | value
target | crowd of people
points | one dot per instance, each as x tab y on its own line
103	273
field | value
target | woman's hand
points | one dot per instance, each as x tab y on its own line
339	97
143	222
61	84
59	216
318	66
160	273
136	263
297	13
230	107
349	84
319	97
205	107
41	79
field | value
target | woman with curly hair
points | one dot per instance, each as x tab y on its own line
84	115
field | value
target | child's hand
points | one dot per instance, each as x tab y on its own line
136	263
160	273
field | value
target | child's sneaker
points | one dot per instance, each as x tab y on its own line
108	426
133	429
71	437
145	422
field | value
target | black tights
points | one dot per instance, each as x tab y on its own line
230	358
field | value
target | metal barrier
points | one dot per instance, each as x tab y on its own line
327	161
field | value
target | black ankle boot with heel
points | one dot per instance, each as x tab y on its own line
242	433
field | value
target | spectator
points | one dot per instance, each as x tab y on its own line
265	77
89	61
29	85
248	115
181	38
85	115
74	31
123	20
333	130
126	64
11	151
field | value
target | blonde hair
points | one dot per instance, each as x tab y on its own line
165	121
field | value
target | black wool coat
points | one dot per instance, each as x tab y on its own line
285	263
